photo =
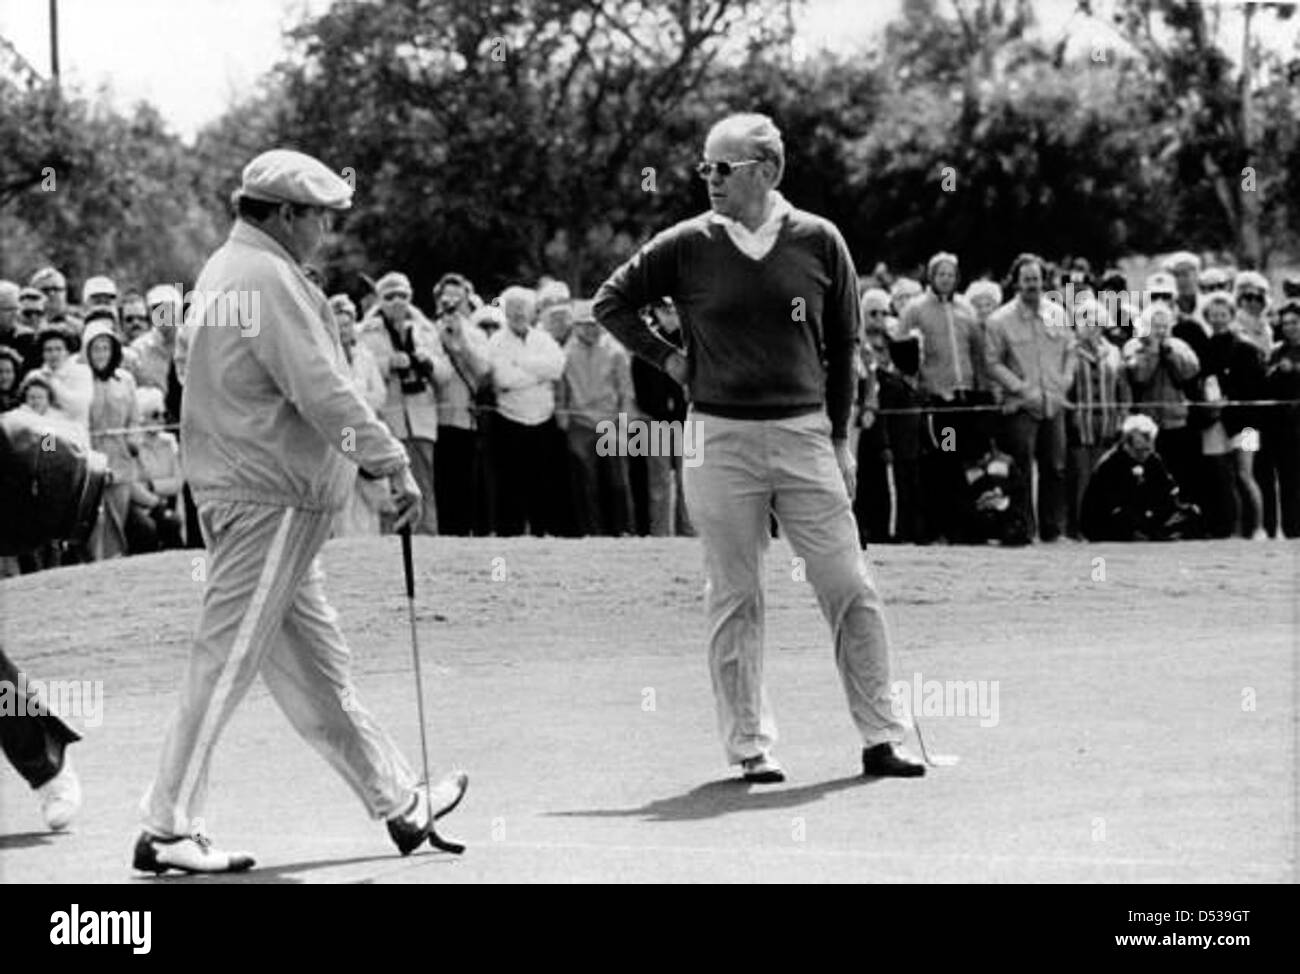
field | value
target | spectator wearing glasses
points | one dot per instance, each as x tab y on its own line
950	347
54	286
458	404
1282	423
1031	353
1214	279
412	360
1186	270
156	520
1250	290
526	364
135	317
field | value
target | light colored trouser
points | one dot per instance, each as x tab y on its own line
264	611
747	469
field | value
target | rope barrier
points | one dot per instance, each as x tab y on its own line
895	411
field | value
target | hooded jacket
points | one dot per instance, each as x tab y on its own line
268	415
112	405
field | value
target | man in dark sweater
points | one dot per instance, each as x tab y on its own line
767	297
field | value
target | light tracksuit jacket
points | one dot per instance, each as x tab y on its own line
269	415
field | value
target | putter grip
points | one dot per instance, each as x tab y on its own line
407	565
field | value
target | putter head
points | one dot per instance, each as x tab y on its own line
934	760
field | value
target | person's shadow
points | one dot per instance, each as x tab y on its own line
27	840
292	872
718	798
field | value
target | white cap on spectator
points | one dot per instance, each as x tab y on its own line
393	281
1250	279
1184	258
98	285
874	299
1161	282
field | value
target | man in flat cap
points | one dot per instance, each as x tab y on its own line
271	429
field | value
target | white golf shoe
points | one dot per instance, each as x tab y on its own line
186	853
61	797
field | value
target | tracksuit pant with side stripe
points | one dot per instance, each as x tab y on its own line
265	612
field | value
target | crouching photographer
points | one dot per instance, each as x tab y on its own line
50	490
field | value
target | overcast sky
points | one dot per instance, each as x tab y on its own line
194	58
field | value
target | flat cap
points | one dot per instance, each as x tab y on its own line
48	277
1184	258
286	176
393	281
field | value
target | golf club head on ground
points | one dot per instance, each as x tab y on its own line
934	760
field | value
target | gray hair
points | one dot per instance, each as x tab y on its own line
517	292
760	133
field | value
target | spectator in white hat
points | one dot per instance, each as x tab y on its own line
151	356
98	292
414	364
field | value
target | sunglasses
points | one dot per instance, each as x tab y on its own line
134	319
724	169
1250	296
1161	296
397	296
876	314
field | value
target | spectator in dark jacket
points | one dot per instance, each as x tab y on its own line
1131	496
1282	427
1232	369
11	374
659	397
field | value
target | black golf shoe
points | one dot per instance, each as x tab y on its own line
882	761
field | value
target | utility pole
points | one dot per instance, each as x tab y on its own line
54	41
1249	238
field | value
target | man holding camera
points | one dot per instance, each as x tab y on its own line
458	418
411	358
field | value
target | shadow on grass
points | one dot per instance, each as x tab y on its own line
721	798
26	840
292	872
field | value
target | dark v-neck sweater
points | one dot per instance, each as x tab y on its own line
765	339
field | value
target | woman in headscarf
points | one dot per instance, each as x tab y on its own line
113	414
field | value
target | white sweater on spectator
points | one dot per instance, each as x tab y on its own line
523	372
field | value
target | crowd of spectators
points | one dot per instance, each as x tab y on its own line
1055	403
